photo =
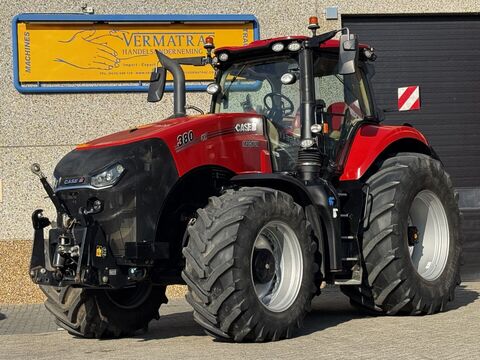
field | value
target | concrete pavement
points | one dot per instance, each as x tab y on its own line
333	330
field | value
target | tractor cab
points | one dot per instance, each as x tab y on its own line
267	78
312	92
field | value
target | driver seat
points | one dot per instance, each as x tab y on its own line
336	112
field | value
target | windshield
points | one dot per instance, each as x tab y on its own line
255	87
341	101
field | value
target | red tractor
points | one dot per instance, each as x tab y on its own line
290	182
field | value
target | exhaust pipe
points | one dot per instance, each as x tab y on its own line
179	98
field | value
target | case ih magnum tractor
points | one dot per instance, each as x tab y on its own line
290	182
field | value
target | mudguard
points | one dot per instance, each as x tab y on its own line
318	199
370	141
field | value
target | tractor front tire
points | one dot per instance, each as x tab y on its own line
104	313
411	243
250	265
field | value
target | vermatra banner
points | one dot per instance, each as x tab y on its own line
118	51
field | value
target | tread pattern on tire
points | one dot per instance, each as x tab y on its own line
79	311
388	286
210	272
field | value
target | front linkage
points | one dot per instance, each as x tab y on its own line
76	252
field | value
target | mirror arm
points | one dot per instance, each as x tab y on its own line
195	61
315	41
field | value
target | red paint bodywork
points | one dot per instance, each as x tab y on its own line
369	142
215	142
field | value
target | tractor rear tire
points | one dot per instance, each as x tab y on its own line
104	313
411	243
250	265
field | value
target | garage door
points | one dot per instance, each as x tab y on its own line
441	54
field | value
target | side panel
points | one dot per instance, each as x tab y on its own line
368	144
236	143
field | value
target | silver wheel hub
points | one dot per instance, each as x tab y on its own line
276	266
430	244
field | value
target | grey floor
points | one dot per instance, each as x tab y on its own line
333	330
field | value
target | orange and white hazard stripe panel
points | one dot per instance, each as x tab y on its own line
408	98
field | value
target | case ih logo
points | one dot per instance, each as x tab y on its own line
246	127
73	181
408	98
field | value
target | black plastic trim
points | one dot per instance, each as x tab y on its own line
312	193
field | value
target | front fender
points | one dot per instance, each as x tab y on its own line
315	200
370	141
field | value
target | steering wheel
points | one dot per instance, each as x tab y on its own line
287	105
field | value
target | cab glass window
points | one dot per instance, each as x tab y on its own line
341	100
256	87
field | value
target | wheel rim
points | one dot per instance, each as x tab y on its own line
429	251
276	266
130	298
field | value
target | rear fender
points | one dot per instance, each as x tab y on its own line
371	141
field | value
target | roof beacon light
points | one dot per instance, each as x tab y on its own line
313	25
209	46
277	47
209	43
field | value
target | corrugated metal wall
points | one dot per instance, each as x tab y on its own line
441	54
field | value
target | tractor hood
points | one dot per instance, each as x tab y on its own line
204	139
166	129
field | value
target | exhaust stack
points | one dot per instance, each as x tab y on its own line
179	97
158	77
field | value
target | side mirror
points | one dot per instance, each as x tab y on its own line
157	84
348	54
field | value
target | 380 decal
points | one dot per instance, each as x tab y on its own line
185	138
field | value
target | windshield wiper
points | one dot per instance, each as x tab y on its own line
233	80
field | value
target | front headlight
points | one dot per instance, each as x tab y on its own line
108	177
